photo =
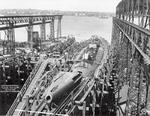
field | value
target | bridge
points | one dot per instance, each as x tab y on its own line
9	23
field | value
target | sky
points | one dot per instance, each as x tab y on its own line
64	5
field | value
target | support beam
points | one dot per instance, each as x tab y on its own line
30	34
147	74
59	28
52	33
84	109
43	31
10	42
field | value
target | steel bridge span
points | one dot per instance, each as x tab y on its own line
9	23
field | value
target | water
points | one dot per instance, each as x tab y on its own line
83	27
80	27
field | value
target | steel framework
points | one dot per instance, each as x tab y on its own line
22	21
130	55
9	23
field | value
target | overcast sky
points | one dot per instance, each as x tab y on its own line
71	5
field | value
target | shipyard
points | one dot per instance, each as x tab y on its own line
78	62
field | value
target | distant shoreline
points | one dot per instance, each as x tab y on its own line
6	12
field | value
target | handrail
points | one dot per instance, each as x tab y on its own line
118	23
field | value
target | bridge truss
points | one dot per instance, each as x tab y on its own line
130	54
9	23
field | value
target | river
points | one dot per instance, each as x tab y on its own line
83	27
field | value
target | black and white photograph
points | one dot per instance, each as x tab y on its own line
75	58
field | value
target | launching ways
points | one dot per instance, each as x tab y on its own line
82	98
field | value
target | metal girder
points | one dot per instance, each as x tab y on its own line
131	10
8	23
10	44
30	33
130	31
131	53
130	44
25	19
59	28
52	30
43	30
22	25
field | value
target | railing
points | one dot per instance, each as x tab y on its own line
139	37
